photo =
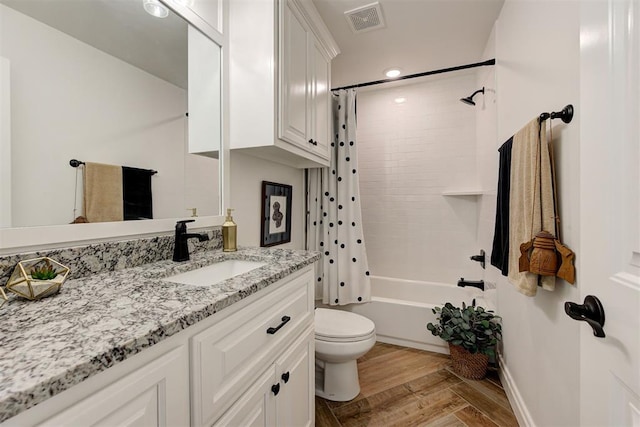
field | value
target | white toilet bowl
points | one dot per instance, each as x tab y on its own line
341	338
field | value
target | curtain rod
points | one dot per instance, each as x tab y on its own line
426	73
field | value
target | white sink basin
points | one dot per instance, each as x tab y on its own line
214	273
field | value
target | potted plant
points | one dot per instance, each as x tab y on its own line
472	333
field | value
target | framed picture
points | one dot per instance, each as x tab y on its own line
276	214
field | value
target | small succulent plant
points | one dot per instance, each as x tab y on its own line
44	272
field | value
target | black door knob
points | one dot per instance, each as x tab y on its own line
591	312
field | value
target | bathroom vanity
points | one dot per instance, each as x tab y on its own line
129	347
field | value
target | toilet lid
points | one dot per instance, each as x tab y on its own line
339	324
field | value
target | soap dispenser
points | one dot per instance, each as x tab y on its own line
229	236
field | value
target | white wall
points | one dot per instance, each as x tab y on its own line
70	100
247	174
537	53
409	154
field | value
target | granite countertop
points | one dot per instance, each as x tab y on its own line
47	346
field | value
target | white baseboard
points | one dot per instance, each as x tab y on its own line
443	349
513	394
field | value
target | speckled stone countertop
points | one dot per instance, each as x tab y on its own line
48	346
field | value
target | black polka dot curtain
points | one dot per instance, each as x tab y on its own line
335	218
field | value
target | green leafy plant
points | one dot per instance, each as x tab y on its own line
44	272
474	328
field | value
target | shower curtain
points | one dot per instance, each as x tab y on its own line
334	225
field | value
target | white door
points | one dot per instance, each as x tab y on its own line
609	255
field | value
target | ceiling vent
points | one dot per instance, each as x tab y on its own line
365	18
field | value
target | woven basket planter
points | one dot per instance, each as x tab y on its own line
468	365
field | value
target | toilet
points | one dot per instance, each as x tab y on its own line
341	338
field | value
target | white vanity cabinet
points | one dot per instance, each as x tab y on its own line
154	395
280	396
227	357
280	74
251	363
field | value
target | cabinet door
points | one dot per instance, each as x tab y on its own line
321	101
295	404
294	81
155	395
227	357
256	407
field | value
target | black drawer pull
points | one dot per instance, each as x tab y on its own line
272	330
311	141
285	377
315	142
275	389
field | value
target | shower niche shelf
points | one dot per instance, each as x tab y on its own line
464	192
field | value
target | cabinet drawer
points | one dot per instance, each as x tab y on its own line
227	357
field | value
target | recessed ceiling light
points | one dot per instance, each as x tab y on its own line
155	8
392	72
400	100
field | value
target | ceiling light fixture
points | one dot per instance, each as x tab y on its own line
400	100
155	8
392	72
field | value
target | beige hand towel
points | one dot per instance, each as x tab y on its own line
531	193
103	192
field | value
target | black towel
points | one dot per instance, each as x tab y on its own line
136	193
500	251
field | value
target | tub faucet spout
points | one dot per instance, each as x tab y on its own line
473	283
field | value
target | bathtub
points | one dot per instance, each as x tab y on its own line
401	310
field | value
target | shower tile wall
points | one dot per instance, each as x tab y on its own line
409	153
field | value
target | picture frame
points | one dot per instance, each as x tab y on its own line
275	224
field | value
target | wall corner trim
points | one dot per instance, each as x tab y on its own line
518	404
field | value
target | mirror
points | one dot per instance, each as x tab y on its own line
103	81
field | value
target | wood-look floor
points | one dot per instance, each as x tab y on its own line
407	387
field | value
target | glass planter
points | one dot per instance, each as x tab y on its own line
37	278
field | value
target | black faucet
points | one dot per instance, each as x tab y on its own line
474	284
180	249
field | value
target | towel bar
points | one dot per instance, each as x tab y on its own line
566	115
75	163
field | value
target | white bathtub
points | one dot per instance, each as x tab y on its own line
401	310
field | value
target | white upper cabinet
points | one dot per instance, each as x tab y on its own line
280	73
321	108
210	11
204	95
295	88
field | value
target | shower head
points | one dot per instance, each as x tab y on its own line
469	99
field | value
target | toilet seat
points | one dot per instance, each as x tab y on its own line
342	326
